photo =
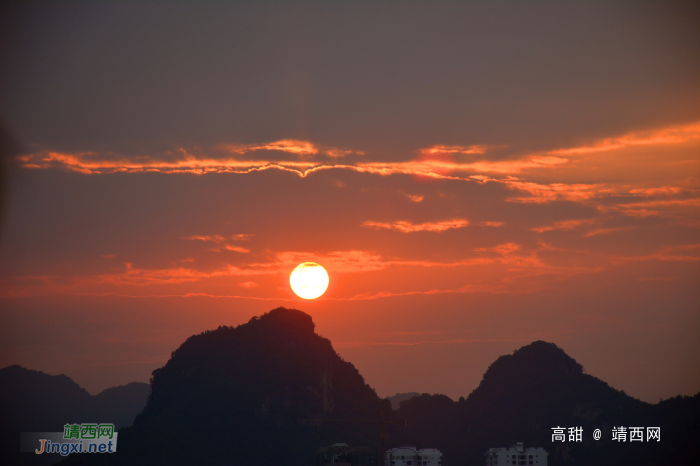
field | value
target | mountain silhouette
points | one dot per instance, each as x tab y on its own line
399	397
32	401
252	394
524	395
272	391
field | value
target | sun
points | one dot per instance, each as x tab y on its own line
309	280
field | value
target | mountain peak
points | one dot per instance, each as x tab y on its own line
267	381
538	359
15	376
289	318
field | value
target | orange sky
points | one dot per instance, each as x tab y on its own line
570	216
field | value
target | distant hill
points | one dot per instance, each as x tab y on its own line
399	397
249	395
120	405
32	401
523	395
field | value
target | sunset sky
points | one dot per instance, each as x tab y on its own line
473	176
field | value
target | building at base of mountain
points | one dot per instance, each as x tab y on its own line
341	454
516	455
412	456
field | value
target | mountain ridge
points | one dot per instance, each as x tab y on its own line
259	393
33	401
271	390
524	395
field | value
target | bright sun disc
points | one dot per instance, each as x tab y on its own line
309	280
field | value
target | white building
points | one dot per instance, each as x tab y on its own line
412	456
516	455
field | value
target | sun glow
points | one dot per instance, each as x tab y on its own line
309	280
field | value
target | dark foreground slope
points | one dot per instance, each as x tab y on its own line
523	395
245	396
32	401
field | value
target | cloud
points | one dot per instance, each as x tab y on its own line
439	162
213	238
680	253
335	262
94	163
242	237
605	231
543	193
677	198
449	169
428	164
672	135
286	145
480	149
408	227
389	294
218	239
228	247
136	281
564	225
506	248
664	190
658	207
641	213
336	153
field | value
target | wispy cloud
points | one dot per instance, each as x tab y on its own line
408	227
680	253
439	161
564	225
336	153
428	164
665	136
415	197
139	281
645	208
478	149
390	294
228	247
212	238
286	145
501	248
219	239
543	193
242	237
605	231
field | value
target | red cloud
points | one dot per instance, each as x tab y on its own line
666	136
563	225
286	145
220	239
408	227
682	253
